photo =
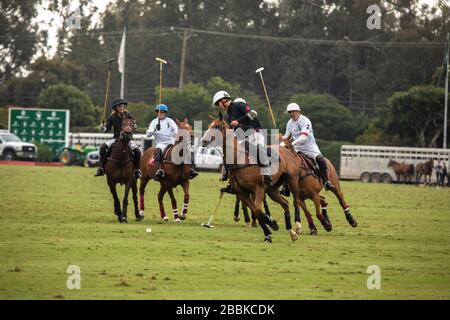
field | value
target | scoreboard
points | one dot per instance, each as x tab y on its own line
47	126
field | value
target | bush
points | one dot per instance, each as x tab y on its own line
44	153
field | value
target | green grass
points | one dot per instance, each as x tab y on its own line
55	217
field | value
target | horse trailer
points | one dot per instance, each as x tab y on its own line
370	163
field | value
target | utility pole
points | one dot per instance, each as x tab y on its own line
447	67
185	38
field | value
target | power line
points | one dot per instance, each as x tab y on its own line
166	31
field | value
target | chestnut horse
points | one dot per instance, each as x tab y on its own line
402	170
247	182
175	174
310	187
119	168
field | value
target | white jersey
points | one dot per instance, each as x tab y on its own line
166	135
303	126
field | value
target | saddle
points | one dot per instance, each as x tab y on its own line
309	165
110	151
167	156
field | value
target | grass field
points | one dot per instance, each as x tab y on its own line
55	217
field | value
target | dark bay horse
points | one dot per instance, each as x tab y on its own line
175	175
250	223
424	169
310	186
247	182
402	170
119	168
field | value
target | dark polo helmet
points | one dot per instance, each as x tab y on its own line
117	102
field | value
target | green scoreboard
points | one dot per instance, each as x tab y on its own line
47	126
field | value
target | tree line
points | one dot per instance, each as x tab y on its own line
361	85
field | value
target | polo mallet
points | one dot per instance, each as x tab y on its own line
265	92
107	88
209	225
161	62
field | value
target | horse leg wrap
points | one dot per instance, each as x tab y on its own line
185	208
297	215
346	208
141	202
325	214
161	210
287	219
266	207
175	213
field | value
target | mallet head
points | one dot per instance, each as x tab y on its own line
111	60
207	225
161	60
259	70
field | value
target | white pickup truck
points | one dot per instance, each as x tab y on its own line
208	158
11	147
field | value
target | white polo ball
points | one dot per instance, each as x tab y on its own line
148	230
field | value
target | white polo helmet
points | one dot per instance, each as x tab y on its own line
220	95
293	107
239	100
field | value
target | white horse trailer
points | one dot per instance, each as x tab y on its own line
370	163
96	139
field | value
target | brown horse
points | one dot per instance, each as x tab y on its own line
246	178
120	169
175	174
248	222
310	186
424	169
402	170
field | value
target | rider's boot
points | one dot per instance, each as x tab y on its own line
324	172
224	176
137	163
192	172
101	164
264	163
158	159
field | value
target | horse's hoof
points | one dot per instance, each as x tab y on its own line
254	224
313	232
293	234
268	239
177	220
248	225
123	220
183	217
298	228
275	225
236	219
165	219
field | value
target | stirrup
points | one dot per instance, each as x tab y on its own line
193	174
328	185
160	173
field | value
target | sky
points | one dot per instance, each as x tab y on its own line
44	16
